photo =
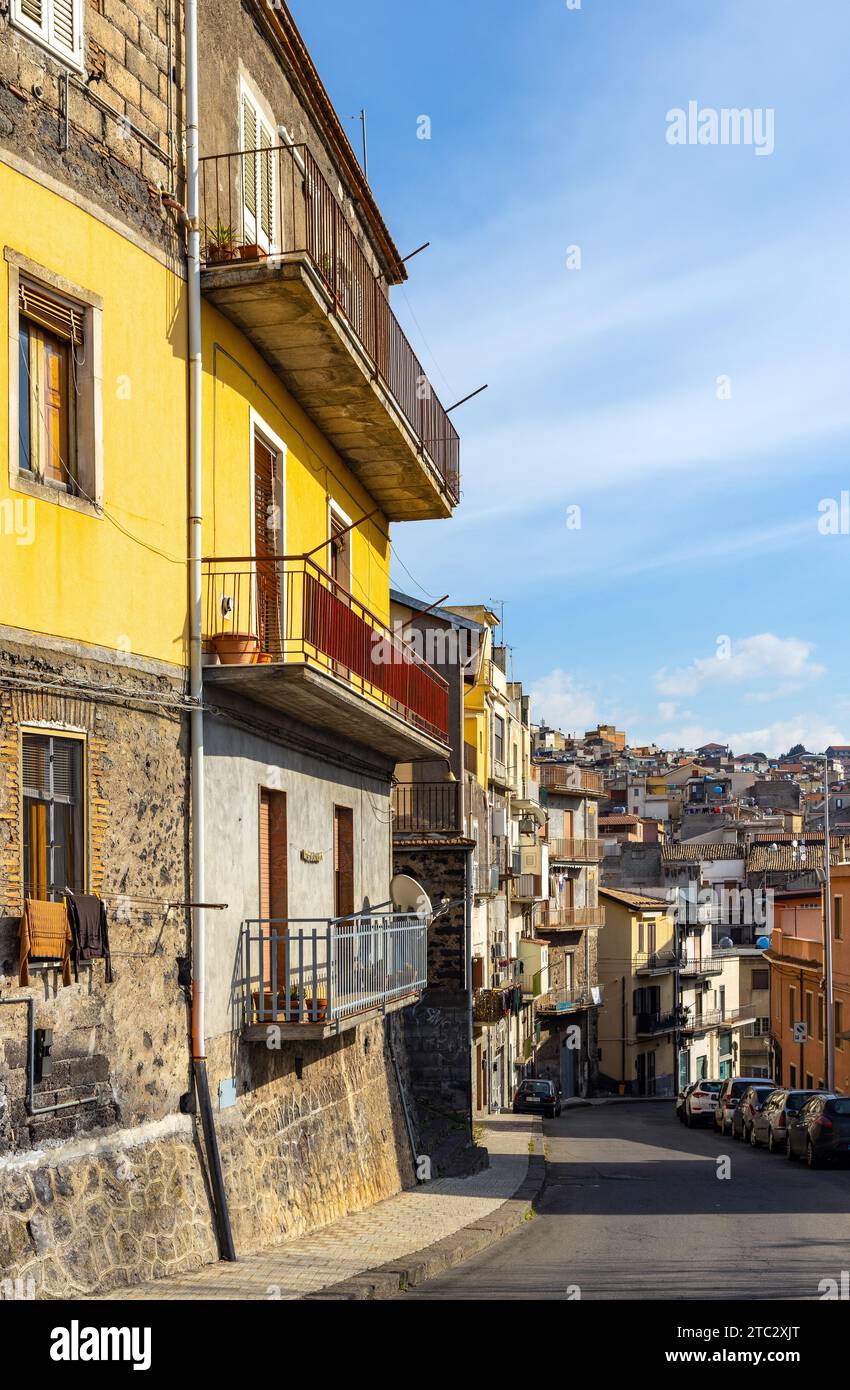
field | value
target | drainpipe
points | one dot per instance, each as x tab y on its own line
470	1036
196	717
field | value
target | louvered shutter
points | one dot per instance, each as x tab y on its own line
56	23
249	145
53	314
64	18
36	766
266	184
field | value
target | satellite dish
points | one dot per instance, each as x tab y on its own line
726	943
409	896
763	943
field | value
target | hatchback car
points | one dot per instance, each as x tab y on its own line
701	1103
731	1092
820	1131
750	1105
537	1097
770	1124
681	1098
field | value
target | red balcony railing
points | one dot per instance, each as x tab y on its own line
263	203
286	609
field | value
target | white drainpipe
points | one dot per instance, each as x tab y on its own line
196	675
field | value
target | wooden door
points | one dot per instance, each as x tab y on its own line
274	885
343	861
267	531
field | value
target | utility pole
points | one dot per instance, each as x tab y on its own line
827	927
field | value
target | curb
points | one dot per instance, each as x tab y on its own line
389	1280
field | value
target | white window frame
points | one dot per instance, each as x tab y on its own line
252	230
44	34
273	441
89	406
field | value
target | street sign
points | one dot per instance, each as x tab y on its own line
801	1033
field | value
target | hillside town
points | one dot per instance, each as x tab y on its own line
301	895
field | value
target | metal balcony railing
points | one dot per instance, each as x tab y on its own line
709	965
552	916
276	202
576	851
325	971
485	878
563	1001
567	777
647	1024
285	609
654	960
427	808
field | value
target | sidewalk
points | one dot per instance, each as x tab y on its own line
389	1246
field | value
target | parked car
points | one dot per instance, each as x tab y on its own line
537	1097
731	1092
681	1098
770	1124
701	1103
820	1131
745	1111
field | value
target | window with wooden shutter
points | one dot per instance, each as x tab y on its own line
53	815
55	24
50	334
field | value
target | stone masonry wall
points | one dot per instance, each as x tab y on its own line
118	153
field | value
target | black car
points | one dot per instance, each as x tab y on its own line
770	1124
750	1105
537	1097
820	1131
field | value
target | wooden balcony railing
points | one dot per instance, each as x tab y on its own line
576	851
291	210
285	609
427	808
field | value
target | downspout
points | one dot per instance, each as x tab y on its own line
470	1035
196	717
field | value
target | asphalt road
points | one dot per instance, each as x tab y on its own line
634	1208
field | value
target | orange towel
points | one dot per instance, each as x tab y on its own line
45	931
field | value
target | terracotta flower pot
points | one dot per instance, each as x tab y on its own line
320	1015
236	648
250	251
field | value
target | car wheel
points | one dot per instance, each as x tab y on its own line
772	1145
812	1159
753	1139
789	1152
689	1120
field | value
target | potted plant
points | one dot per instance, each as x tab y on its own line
252	251
317	1009
236	648
221	243
294	1013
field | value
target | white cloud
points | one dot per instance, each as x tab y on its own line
560	702
758	658
667	710
813	731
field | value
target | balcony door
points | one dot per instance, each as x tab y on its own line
268	541
343	861
273	881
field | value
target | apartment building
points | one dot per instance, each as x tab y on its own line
638	1023
570	919
235	825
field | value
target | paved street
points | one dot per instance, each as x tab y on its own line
634	1209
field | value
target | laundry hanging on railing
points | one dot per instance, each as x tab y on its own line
90	931
45	936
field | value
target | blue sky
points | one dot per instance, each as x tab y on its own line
697	599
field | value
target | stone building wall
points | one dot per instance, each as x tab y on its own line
123	147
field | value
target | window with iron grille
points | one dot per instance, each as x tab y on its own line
56	25
53	787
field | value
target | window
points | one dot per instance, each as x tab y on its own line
792	1076
54	24
498	738
339	528
821	1017
257	175
343	861
53	815
839	1025
837	917
809	1018
810	1081
761	979
792	1005
55	373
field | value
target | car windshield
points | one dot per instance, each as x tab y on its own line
713	1086
795	1099
537	1088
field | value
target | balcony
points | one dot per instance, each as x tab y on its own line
427	808
302	289
695	969
560	1001
654	963
485	879
553	918
488	1006
576	851
570	780
648	1025
290	637
529	887
313	979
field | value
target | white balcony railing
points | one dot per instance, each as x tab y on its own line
298	971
